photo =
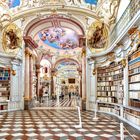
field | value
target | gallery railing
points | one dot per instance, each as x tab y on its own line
129	13
126	113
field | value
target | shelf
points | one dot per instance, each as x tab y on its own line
134	74
107	96
134	82
4	81
4	88
108	79
134	90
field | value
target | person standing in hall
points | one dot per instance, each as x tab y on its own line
69	95
41	94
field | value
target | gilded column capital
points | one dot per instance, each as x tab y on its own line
83	53
94	71
27	53
123	62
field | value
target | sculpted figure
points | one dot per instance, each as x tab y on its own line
12	39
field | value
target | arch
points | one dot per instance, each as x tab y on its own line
37	25
67	59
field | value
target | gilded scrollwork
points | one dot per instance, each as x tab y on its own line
5	17
107	10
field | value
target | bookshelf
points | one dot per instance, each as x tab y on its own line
110	83
4	88
134	78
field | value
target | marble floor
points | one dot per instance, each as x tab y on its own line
66	103
59	124
56	120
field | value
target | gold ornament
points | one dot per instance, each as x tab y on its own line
123	62
94	71
83	52
13	72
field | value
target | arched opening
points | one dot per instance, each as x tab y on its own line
57	43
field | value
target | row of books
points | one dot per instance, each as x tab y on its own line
110	73
3	107
4	78
110	83
134	95
134	86
135	65
111	110
109	88
133	71
3	89
4	93
4	84
135	55
135	78
134	102
114	77
4	72
3	98
132	118
106	93
136	113
106	99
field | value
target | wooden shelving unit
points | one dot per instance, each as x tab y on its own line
4	88
134	78
110	83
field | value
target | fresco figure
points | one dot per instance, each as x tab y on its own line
12	39
98	40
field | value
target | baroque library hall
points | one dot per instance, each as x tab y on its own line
69	69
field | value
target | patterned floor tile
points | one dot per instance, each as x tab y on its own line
47	124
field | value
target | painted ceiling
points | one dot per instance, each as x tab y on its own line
13	3
91	1
66	64
59	38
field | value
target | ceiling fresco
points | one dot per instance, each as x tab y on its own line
13	3
66	64
91	1
59	38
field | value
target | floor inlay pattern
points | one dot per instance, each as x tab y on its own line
58	125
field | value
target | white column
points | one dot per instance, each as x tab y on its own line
125	83
92	85
84	76
79	85
27	76
31	76
88	85
38	78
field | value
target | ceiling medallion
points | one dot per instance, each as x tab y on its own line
12	39
97	36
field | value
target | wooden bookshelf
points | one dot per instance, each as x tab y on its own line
110	83
4	88
134	78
